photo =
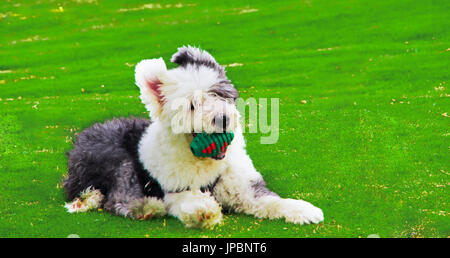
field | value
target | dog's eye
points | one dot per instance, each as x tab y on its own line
192	106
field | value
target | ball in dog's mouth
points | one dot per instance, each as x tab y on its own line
213	145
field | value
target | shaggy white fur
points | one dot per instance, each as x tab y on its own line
89	199
165	152
194	208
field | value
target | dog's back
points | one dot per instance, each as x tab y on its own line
99	151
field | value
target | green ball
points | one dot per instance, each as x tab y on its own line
211	145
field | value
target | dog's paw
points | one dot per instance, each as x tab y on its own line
301	212
89	199
147	208
203	213
201	218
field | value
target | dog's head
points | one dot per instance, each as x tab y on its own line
194	97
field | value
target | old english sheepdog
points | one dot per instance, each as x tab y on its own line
141	168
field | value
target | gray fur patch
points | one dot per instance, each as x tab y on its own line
125	191
225	90
195	56
260	189
105	156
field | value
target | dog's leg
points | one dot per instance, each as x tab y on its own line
241	188
126	198
194	208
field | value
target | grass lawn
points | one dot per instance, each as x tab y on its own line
364	108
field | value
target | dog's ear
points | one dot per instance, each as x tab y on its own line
151	75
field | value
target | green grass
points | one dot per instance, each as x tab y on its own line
370	146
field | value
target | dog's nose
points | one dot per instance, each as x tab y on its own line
221	122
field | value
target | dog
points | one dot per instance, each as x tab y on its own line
141	168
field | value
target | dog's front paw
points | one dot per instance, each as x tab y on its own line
147	208
301	212
204	213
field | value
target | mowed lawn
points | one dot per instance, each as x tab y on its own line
362	85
